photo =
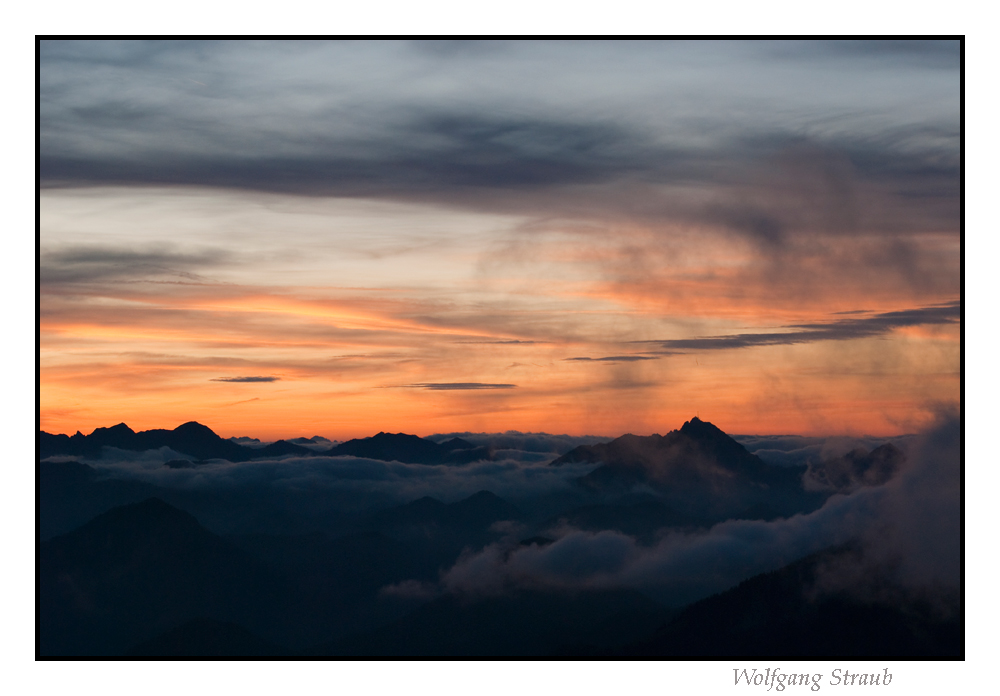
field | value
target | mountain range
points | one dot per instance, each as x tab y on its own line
700	474
200	443
300	557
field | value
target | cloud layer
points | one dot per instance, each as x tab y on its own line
909	526
246	379
842	330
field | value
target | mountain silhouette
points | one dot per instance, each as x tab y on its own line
258	560
703	474
200	443
316	443
696	450
193	439
410	449
281	448
787	613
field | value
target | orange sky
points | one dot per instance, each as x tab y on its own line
146	341
336	238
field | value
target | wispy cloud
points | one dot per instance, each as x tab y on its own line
842	330
245	379
245	401
913	522
489	207
615	358
79	264
450	386
491	127
501	343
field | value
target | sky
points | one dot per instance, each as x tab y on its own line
339	238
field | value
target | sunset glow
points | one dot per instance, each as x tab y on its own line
475	243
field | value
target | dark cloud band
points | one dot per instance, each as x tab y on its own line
615	358
458	386
245	379
206	128
843	330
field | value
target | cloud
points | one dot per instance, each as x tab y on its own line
79	264
617	358
909	526
500	343
945	55
321	492
459	386
245	401
450	123
793	450
245	379
478	194
841	330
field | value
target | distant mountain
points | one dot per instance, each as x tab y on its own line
139	570
193	439
315	443
281	448
697	450
410	449
702	474
526	623
785	613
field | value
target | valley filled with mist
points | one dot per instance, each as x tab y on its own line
692	543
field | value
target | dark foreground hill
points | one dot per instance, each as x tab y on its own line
206	638
139	570
791	612
525	623
148	579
